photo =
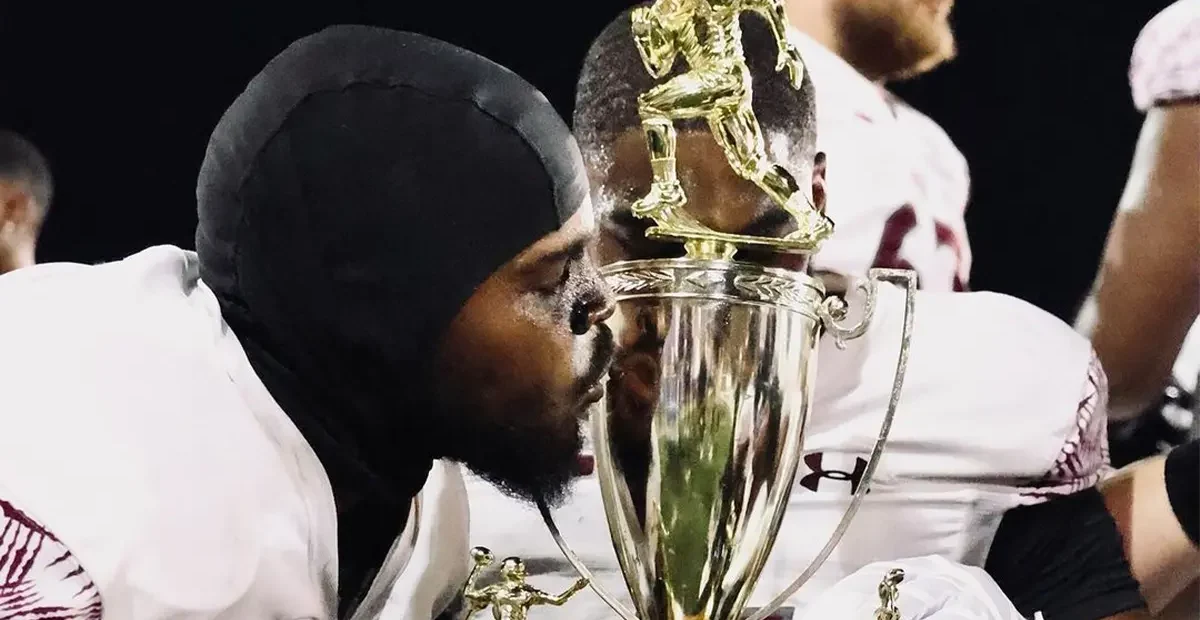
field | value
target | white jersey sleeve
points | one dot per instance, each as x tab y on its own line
933	589
996	390
1002	405
1165	68
40	579
132	463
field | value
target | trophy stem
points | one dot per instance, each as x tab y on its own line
908	280
709	249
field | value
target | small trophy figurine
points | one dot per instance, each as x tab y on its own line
888	593
512	597
717	88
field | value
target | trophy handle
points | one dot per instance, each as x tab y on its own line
579	566
831	312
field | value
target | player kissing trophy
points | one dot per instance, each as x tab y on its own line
695	469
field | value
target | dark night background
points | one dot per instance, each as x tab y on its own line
122	101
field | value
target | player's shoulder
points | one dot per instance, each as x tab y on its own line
978	338
1008	308
65	308
1165	67
992	339
72	289
843	93
125	435
917	119
1002	321
103	360
928	134
84	341
1006	380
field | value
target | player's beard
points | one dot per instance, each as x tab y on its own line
526	460
895	39
527	444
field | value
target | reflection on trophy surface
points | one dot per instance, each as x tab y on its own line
701	437
702	428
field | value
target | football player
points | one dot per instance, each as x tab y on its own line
391	269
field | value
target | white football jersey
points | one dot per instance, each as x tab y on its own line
897	186
1003	405
1165	70
145	471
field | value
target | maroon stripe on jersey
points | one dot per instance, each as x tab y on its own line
39	577
1083	460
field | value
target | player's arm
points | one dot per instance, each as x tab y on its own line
654	43
550	599
476	598
1147	293
1156	507
775	12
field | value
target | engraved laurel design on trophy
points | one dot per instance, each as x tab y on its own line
697	455
641	282
715	280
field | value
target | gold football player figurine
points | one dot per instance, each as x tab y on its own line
889	591
512	597
717	88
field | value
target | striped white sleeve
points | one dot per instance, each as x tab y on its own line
40	579
1083	460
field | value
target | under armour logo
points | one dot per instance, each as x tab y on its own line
812	481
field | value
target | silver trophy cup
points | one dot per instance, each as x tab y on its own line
702	427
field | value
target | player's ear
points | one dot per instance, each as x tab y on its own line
16	205
818	181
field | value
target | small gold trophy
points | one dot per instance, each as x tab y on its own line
696	468
512	597
888	593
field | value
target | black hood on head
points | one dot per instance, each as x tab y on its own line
351	200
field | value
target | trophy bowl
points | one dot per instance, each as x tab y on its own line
700	436
701	431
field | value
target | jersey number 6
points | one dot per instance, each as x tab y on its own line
898	226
